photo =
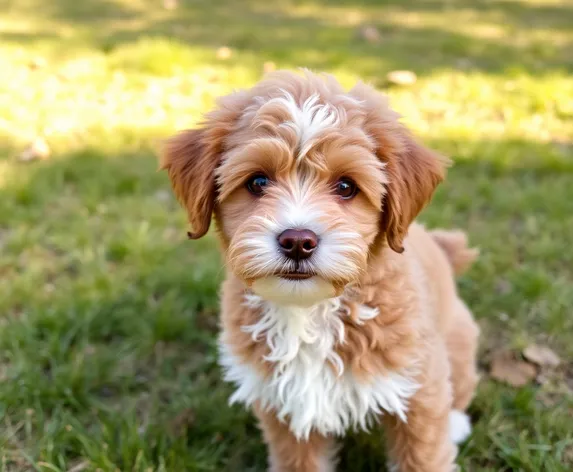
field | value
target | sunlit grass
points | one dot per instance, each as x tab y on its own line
107	312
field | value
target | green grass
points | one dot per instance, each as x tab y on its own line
108	315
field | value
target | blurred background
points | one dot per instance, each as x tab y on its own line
108	315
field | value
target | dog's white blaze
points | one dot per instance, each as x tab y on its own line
297	210
304	388
308	120
333	256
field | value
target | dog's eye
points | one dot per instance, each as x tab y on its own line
346	189
257	183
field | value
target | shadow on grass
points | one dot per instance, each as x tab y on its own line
317	41
144	304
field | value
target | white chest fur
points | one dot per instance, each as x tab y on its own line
304	388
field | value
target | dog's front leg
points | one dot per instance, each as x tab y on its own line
289	454
422	443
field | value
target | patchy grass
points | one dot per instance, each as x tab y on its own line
107	313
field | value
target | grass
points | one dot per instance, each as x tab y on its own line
108	315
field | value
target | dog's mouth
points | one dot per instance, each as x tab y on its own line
296	275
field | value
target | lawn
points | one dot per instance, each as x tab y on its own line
108	314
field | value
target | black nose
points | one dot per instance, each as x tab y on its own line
298	244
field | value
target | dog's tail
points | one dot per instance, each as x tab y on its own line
454	243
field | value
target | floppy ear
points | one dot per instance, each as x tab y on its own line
413	174
412	171
191	168
192	156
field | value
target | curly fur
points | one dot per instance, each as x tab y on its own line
377	333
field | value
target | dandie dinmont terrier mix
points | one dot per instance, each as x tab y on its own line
338	311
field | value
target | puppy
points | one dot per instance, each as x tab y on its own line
337	312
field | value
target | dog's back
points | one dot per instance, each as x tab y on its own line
443	254
455	244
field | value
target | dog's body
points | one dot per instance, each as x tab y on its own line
326	324
404	329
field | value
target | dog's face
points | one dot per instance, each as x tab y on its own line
306	181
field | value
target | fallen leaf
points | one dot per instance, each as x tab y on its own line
37	149
369	34
541	355
401	77
224	53
506	368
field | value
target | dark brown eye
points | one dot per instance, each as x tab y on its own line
257	183
346	189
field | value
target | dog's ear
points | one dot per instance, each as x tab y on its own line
191	158
412	171
413	174
191	168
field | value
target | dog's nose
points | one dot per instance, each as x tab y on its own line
298	244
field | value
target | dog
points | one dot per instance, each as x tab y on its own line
338	311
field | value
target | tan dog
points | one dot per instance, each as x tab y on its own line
337	312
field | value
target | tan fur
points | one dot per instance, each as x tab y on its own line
422	327
413	171
287	454
455	245
192	156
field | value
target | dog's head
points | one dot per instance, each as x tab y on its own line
305	181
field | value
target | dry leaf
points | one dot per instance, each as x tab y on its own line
401	77
369	34
37	149
224	53
541	355
506	368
